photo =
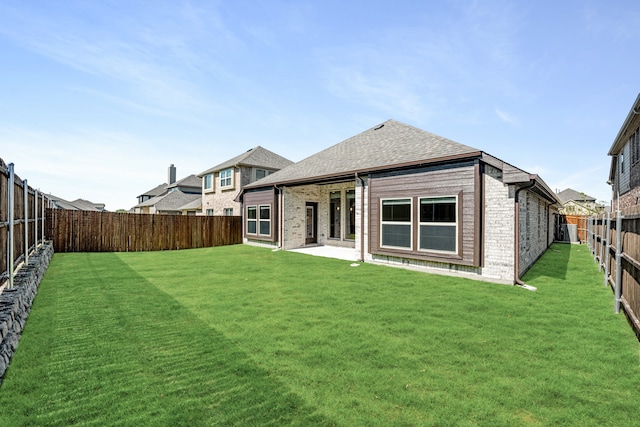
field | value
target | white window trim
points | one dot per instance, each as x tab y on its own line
204	180
231	179
263	220
409	223
252	220
440	224
258	220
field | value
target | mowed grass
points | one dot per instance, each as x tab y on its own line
246	336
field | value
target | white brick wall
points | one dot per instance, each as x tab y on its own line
499	222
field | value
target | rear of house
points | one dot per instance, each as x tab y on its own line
401	196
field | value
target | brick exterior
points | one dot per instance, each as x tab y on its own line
498	238
499	225
219	200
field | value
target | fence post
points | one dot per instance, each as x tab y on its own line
607	250
35	219
26	221
618	286
11	237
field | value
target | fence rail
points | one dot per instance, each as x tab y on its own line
614	240
86	231
22	222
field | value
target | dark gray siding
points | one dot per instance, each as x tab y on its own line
445	180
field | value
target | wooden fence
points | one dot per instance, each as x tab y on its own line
22	214
85	231
614	240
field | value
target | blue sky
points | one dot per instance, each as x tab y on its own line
98	98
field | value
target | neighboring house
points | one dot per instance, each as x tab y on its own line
624	174
173	197
402	196
576	203
76	205
222	184
171	203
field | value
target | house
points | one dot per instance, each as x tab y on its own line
401	196
577	203
76	205
222	184
173	197
624	174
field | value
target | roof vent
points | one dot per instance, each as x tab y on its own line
379	127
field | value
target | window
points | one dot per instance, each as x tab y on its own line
252	220
207	182
350	216
259	220
228	212
335	199
209	212
396	223
265	220
226	178
438	224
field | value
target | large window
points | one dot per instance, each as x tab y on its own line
207	182
335	201
226	178
259	220
439	224
396	223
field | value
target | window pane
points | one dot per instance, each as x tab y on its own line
438	209
396	235
438	237
265	212
351	215
265	227
334	214
251	227
251	212
260	173
396	210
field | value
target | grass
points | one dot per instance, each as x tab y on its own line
246	336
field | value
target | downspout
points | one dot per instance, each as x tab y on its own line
280	217
516	267
361	217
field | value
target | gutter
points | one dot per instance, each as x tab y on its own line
280	218
516	267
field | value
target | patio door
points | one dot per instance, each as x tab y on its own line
311	223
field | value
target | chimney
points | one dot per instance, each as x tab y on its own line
172	175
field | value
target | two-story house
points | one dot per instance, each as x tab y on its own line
180	197
624	174
222	183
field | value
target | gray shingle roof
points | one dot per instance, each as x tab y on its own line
257	157
189	181
570	194
171	201
387	145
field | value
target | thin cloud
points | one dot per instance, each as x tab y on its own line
506	117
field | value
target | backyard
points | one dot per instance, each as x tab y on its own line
240	335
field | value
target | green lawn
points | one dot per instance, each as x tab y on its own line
247	336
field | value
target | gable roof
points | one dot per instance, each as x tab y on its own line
155	191
571	194
76	205
189	181
256	157
172	201
390	144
